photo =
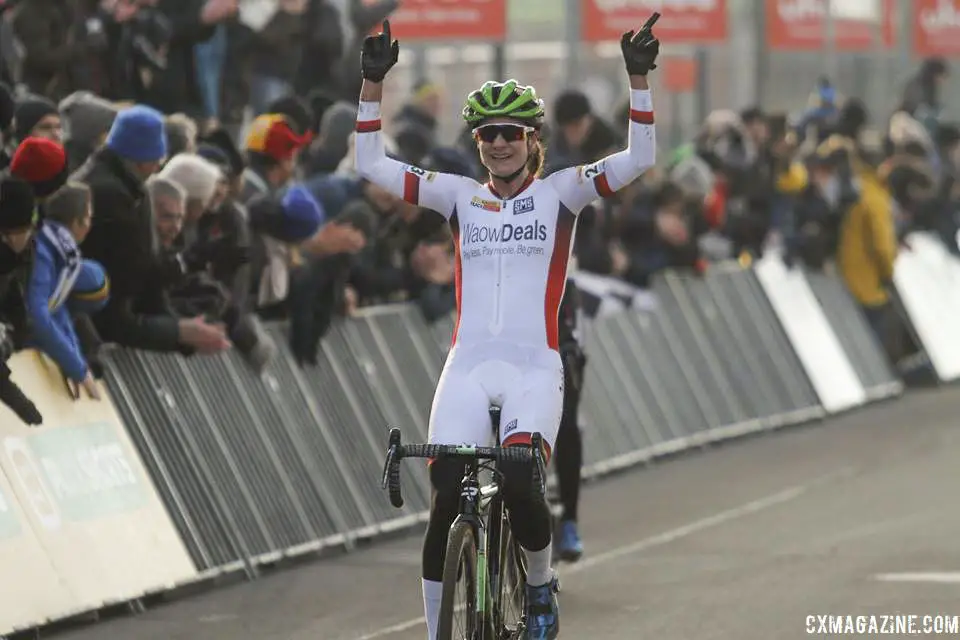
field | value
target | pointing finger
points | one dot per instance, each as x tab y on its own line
386	30
648	25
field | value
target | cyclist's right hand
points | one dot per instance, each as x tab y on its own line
379	54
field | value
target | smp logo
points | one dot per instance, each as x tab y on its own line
481	234
523	205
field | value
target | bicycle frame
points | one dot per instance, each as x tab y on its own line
475	507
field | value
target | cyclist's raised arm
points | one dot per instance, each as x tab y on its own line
431	190
579	186
428	189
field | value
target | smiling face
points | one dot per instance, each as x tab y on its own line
504	145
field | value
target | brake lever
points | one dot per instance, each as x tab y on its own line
391	454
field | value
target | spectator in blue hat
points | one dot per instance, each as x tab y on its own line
122	239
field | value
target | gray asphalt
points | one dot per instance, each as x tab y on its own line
740	542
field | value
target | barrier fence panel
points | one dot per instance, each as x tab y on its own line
686	338
860	343
811	336
78	508
778	351
759	378
195	502
360	425
333	475
927	279
665	374
696	302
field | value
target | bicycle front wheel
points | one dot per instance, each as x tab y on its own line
458	607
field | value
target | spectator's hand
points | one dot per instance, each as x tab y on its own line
206	338
619	262
295	7
640	49
334	238
216	11
351	301
379	54
90	386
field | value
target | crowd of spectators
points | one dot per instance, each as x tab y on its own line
134	211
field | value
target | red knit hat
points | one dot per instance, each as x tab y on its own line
42	163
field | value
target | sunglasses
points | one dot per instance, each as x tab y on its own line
510	132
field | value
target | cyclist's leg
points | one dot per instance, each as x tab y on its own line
569	461
535	405
460	414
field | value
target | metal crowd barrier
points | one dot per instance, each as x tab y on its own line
252	468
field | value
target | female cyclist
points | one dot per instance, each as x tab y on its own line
512	239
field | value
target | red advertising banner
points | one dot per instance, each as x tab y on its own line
801	25
449	20
936	27
687	21
679	74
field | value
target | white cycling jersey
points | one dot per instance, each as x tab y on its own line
511	270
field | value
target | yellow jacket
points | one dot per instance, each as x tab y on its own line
868	244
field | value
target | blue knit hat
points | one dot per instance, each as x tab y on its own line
138	134
302	214
91	291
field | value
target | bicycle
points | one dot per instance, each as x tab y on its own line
481	549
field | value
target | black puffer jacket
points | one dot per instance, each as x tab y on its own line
123	240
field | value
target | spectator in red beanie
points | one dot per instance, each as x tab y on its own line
42	163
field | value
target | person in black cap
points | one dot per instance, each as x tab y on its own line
37	116
18	218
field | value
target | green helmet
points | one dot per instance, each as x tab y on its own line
504	100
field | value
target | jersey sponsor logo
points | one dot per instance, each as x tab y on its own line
486	205
512	426
523	205
417	171
478	233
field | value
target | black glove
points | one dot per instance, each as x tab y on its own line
378	55
640	49
12	396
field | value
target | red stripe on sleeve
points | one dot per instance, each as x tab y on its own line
641	117
602	186
557	276
368	126
411	188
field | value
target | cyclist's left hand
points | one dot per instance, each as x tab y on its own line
640	49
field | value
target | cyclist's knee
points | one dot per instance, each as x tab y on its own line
445	476
518	480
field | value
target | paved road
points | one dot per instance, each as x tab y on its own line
742	542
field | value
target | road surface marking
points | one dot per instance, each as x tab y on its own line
943	577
